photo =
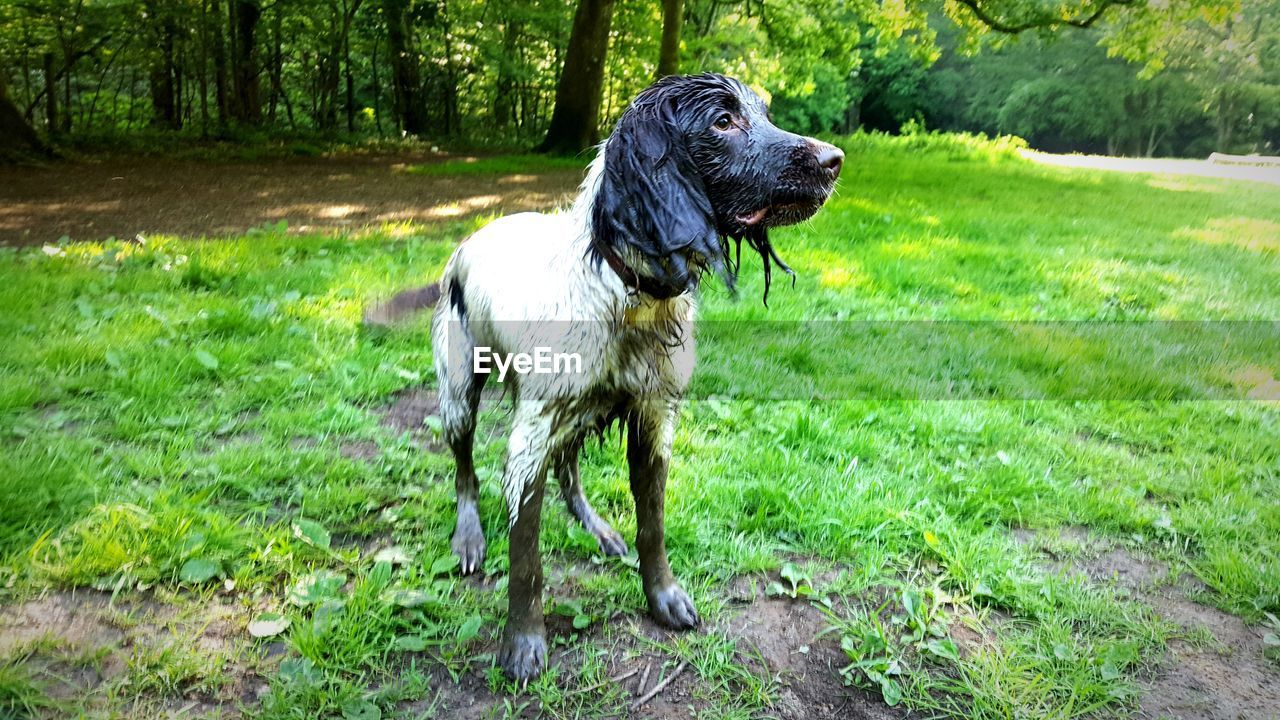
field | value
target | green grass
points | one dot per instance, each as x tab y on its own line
174	419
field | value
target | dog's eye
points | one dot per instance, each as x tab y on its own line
724	122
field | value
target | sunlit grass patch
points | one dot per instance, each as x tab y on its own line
948	146
1249	233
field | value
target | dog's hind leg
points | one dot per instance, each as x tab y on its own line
523	653
468	536
649	432
459	393
611	543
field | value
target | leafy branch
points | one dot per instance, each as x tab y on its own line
1040	21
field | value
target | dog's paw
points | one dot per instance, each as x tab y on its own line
672	607
611	543
523	656
468	543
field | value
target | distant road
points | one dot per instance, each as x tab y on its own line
1202	168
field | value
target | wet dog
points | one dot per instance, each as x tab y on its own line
694	168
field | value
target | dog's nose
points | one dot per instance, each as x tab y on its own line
831	158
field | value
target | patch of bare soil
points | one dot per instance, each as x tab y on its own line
778	640
409	410
82	643
122	197
786	638
406	413
1229	679
350	449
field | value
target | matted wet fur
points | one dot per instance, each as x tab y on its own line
693	164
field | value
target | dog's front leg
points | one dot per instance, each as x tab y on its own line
523	654
649	431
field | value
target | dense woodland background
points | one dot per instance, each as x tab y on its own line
1164	77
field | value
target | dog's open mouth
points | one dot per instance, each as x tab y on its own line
752	218
775	214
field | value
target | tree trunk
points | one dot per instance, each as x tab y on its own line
247	101
1224	120
67	62
51	97
277	67
165	95
377	87
672	19
575	121
449	103
351	85
204	69
504	100
328	94
219	63
326	116
17	139
181	92
406	82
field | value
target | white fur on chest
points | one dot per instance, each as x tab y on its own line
528	284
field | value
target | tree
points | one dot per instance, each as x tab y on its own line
246	102
164	74
17	139
672	19
575	122
219	51
1217	88
1235	67
526	71
406	81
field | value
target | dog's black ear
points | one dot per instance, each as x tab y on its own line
651	208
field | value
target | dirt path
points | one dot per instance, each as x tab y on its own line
121	197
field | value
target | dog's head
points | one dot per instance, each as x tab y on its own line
694	160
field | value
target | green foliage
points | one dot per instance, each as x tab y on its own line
1271	640
1067	94
141	76
915	140
798	583
873	657
817	111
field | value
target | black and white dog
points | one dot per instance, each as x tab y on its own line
693	165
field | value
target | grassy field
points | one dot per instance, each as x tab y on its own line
205	500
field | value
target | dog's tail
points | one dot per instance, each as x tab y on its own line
402	305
